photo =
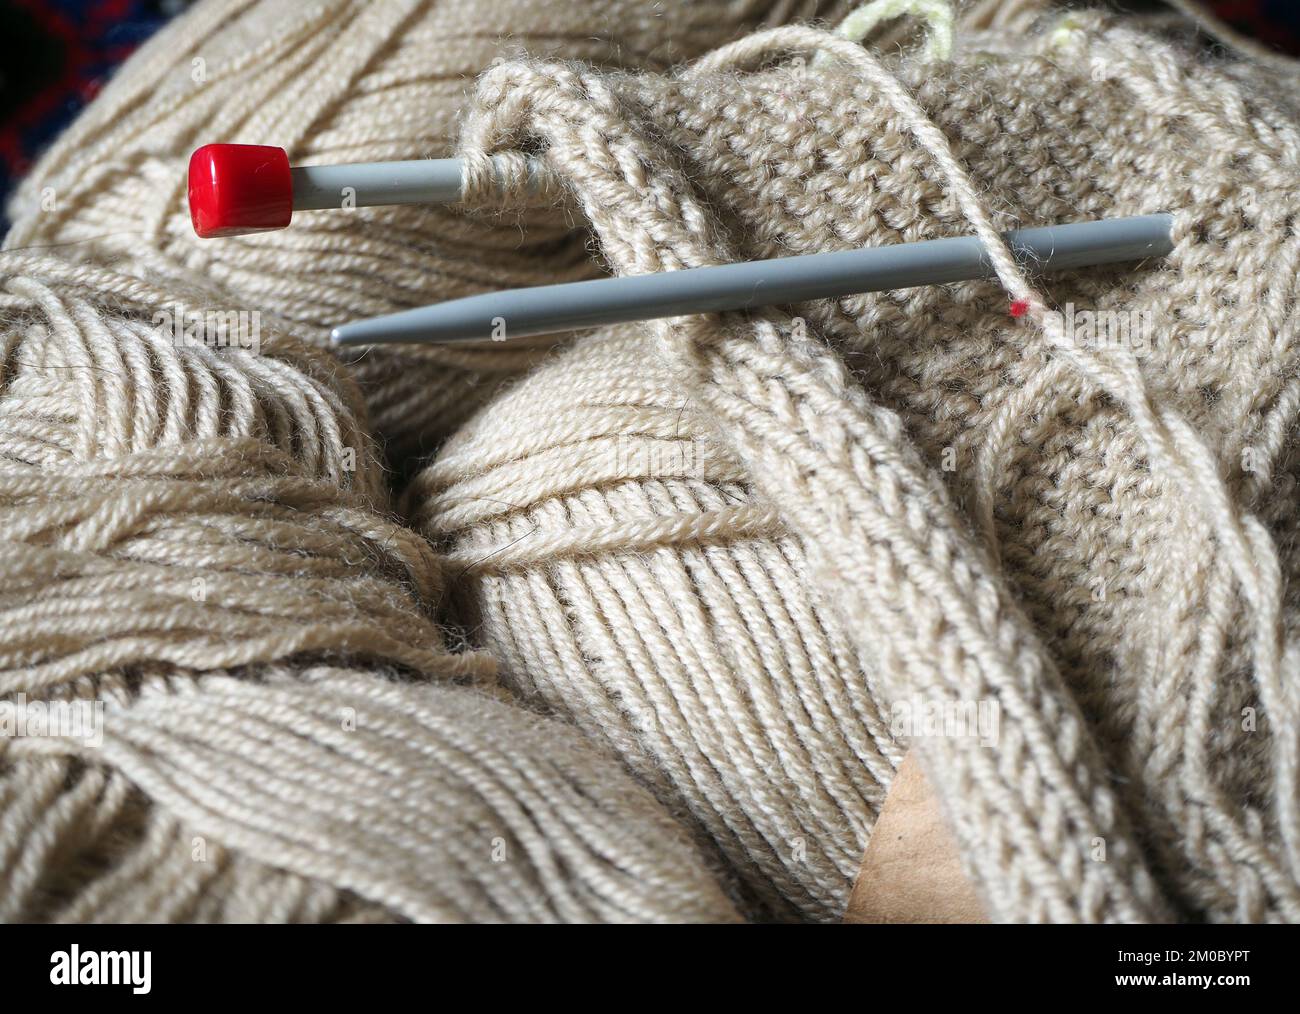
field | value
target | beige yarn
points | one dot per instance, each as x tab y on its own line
725	547
199	538
616	563
1106	557
348	81
137	477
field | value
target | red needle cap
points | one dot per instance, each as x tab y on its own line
239	188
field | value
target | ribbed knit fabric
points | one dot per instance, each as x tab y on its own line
731	546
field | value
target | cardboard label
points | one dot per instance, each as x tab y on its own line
910	871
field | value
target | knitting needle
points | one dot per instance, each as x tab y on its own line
236	189
548	309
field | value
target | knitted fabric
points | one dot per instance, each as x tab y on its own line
731	546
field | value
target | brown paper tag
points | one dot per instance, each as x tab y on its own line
910	871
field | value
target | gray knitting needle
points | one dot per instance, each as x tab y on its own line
547	309
423	181
242	188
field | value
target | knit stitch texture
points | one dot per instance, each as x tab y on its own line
914	493
723	551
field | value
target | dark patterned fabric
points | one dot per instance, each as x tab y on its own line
54	57
1276	22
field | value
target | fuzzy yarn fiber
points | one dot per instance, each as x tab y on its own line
721	551
202	539
731	547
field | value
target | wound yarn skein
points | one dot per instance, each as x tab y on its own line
197	545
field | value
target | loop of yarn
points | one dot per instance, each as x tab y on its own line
508	178
1097	562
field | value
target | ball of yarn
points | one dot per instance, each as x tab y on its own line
347	81
197	543
1093	536
615	560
